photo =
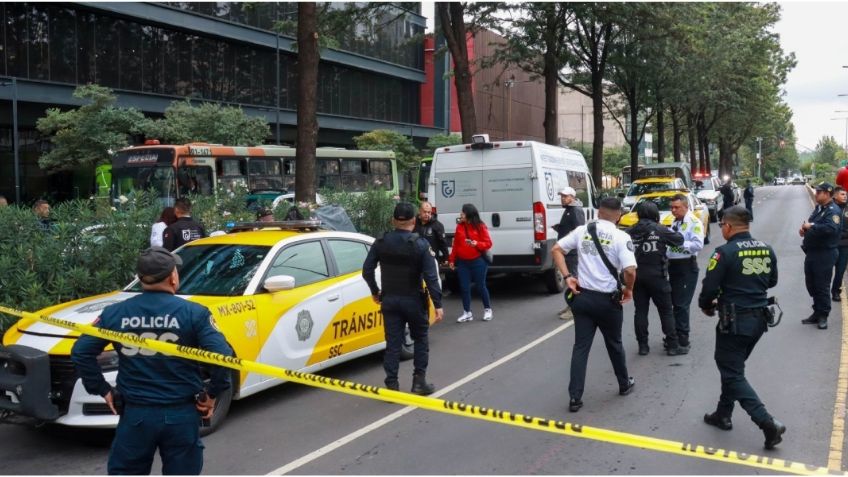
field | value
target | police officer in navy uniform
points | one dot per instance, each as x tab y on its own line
821	238
840	197
185	229
736	285
405	259
651	240
596	302
161	399
429	227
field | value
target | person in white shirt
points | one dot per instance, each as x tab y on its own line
596	297
683	264
167	218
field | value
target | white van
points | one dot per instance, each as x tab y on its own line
514	185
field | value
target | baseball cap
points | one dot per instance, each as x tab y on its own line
567	191
155	264
263	211
824	187
404	211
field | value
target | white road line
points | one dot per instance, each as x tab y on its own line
391	417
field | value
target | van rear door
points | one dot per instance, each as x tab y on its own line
457	179
507	206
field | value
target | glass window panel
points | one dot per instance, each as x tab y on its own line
130	60
168	43
243	76
227	80
106	41
305	262
349	255
39	44
16	39
63	40
153	61
86	51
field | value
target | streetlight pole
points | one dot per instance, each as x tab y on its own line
277	53
759	158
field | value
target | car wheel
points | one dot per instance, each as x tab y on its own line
222	408
554	280
407	349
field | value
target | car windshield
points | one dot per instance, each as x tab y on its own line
663	202
645	188
704	184
217	270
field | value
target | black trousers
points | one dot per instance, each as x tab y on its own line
683	276
731	352
839	271
399	311
593	310
653	287
818	273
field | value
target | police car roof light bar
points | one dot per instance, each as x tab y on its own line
295	225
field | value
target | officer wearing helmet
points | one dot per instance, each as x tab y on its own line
405	259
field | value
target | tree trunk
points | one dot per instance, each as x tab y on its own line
724	159
308	57
660	133
693	158
633	140
699	124
453	26
551	96
676	132
598	129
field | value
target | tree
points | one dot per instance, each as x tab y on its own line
826	151
85	136
442	140
208	122
452	18
406	155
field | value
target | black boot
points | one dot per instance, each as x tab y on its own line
722	422
420	386
644	349
679	350
392	384
574	405
822	323
835	296
683	340
773	430
811	320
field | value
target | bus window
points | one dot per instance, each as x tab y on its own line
231	173
328	173
354	175
195	180
381	171
264	174
424	178
288	174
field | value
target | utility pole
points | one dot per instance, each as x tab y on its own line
759	158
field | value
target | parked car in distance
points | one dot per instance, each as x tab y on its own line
779	181
798	180
706	189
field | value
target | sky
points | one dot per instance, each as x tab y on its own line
818	35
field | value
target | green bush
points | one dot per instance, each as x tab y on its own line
370	211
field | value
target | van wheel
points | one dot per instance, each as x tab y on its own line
222	408
554	281
406	350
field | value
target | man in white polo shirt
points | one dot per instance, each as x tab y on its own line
596	297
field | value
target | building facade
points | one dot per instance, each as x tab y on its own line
576	124
152	54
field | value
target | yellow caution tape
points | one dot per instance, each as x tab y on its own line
444	406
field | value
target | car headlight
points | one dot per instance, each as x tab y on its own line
108	360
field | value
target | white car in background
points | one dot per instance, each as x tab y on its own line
780	181
707	191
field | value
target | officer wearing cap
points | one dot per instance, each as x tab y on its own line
160	399
597	301
405	259
265	214
820	241
736	285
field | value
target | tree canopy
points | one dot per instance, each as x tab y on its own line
208	122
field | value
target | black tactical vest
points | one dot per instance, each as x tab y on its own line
400	267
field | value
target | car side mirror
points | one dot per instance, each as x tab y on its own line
278	283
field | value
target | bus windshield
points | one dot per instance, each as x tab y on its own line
144	169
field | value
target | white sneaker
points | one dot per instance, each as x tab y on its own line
465	316
487	314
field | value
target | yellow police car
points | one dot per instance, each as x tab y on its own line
663	201
647	185
291	296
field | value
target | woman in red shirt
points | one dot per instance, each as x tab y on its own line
470	243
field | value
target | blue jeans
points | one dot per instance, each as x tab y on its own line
174	430
468	270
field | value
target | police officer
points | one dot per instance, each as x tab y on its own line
683	264
404	258
821	238
429	227
185	229
840	197
736	283
650	240
749	198
573	216
161	395
597	296
728	198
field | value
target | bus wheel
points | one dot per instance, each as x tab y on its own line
553	280
222	408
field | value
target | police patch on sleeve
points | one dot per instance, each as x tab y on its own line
836	219
713	261
630	245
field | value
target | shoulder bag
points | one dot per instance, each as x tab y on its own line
487	254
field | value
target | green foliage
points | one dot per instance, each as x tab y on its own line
209	122
406	154
85	136
443	140
827	151
370	211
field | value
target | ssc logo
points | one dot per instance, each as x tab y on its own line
186	235
549	185
448	188
304	325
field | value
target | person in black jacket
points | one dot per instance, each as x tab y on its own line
184	230
821	234
840	197
428	226
727	195
650	240
736	286
749	198
573	216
